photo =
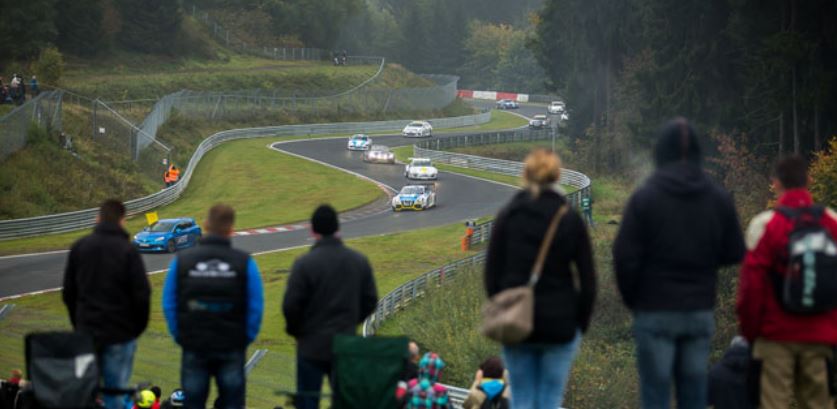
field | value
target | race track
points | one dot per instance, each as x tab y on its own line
459	198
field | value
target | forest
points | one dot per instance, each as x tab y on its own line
761	73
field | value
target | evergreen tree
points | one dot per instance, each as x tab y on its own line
149	25
79	26
26	27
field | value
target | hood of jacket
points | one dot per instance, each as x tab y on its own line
681	179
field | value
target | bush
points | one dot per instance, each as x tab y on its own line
824	174
50	66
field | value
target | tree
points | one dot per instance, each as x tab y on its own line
824	174
151	25
25	28
80	26
50	66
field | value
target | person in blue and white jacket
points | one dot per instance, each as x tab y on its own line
213	302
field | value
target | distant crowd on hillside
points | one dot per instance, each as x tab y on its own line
15	92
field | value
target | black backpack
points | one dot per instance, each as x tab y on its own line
809	285
499	401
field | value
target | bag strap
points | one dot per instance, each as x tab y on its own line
537	269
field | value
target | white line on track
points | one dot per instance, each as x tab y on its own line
34	254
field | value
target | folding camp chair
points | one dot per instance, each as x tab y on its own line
63	371
366	372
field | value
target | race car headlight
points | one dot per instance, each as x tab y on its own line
160	238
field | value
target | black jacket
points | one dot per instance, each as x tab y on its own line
728	380
519	229
677	230
330	291
106	290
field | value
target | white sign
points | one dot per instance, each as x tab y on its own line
102	130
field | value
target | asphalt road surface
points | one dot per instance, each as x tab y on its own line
458	198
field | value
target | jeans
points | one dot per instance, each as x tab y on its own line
675	345
309	382
116	362
538	374
197	367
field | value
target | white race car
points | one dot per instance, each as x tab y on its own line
415	197
556	107
539	121
420	169
418	129
379	154
359	142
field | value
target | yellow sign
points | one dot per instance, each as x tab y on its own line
151	218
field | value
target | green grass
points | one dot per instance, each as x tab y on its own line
517	151
604	373
158	357
264	189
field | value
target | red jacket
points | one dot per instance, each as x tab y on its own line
759	313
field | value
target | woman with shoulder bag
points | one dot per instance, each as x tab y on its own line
541	284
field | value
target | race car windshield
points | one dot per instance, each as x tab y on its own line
359	137
421	163
412	190
540	116
416	124
382	149
161	227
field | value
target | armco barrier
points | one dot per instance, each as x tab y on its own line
64	222
409	291
433	149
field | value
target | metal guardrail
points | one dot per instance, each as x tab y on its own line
64	222
402	296
432	149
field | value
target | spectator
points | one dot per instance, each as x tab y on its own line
4	94
489	389
540	365
677	230
587	210
174	401
145	400
107	295
331	291
15	377
33	86
728	379
793	352
425	392
213	303
411	371
157	394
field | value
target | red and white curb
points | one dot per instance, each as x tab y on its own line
492	95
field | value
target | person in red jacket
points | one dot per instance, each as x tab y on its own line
795	352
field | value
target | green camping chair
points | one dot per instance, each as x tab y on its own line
366	372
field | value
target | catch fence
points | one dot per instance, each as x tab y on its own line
44	111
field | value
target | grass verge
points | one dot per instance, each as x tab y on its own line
604	373
263	189
225	155
158	358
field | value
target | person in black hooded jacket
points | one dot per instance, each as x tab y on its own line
728	379
107	295
677	230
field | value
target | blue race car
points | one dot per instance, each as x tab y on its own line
168	235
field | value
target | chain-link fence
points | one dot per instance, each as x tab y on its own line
43	110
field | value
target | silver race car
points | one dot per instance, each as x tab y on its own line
417	129
379	154
419	196
420	169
